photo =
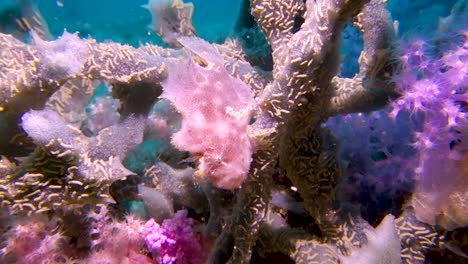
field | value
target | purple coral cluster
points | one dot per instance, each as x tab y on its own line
419	145
434	89
174	240
433	84
374	152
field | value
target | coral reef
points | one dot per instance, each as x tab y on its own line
237	151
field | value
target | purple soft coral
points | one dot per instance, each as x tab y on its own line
434	89
33	241
174	240
426	144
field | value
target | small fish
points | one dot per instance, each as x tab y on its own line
396	26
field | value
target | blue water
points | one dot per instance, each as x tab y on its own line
126	22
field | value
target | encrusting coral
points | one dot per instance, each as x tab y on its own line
251	147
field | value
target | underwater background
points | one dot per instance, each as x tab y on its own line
126	22
378	151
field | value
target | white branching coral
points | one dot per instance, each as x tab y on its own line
65	56
100	156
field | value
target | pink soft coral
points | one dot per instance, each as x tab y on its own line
33	241
118	241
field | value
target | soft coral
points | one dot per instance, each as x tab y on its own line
435	87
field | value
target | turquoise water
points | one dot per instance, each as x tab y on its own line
125	21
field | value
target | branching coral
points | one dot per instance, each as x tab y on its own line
301	96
